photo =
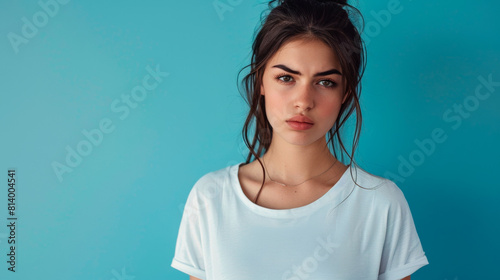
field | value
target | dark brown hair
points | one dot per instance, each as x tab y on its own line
328	21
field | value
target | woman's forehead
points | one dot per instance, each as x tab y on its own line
305	53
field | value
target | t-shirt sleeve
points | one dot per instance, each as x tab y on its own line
403	253
188	256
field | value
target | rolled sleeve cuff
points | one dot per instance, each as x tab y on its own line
404	271
192	271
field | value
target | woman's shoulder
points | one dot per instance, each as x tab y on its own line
366	179
213	181
217	174
384	190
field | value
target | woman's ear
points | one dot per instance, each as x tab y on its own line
261	89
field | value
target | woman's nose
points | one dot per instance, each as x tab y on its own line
304	97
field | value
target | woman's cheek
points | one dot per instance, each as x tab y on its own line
274	107
330	113
270	110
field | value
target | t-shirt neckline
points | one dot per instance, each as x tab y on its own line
334	196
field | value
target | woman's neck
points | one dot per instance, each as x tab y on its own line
292	164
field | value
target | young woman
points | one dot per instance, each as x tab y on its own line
296	211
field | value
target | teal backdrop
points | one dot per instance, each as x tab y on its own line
111	110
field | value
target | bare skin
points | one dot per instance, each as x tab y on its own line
275	196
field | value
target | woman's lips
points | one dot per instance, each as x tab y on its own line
299	125
301	118
300	122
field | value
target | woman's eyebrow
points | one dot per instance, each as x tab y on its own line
325	73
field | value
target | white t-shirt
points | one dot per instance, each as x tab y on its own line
348	233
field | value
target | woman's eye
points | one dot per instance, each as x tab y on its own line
285	78
328	83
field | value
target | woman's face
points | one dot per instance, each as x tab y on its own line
302	78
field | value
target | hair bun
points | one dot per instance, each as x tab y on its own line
341	2
338	2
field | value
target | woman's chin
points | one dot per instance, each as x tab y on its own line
303	139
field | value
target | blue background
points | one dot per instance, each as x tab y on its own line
116	214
